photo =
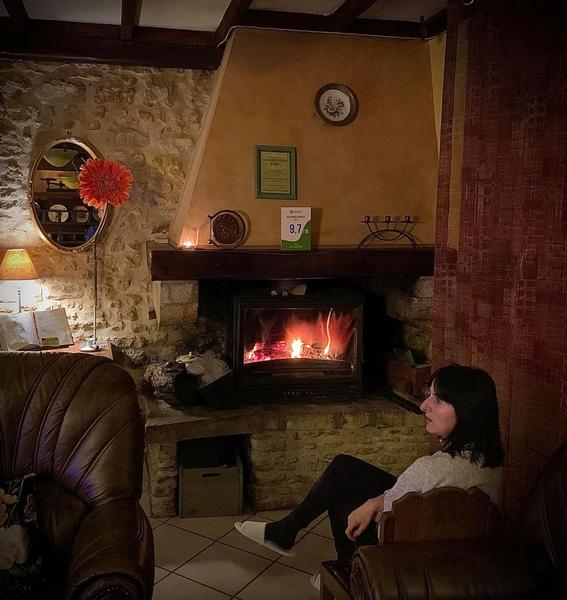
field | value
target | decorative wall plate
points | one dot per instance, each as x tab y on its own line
227	229
336	104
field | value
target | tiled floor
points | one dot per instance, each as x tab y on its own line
206	559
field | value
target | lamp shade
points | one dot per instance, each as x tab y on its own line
17	265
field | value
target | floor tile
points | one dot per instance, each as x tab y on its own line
309	552
174	546
159	574
237	540
323	528
224	568
273	515
211	527
155	522
174	587
279	582
316	521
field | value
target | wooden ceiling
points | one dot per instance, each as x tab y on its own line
112	32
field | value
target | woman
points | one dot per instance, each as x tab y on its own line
461	410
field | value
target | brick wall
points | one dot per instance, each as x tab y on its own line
499	299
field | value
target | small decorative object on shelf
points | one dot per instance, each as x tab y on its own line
227	229
392	230
336	104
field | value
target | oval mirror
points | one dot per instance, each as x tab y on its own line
63	221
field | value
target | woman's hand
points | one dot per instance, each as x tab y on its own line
359	519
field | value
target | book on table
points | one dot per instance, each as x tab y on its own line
35	330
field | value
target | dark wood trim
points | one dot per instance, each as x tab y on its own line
130	18
232	17
273	19
347	12
306	22
168	263
436	24
381	27
82	42
185	37
16	9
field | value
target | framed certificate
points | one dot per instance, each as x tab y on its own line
276	172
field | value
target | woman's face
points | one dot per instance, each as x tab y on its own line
440	417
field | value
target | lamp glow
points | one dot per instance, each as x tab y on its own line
17	266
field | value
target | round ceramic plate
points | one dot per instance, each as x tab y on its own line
228	229
336	104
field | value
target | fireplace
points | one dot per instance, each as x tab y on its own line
296	348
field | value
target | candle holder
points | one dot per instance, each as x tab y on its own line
388	230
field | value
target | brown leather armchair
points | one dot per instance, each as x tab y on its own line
74	421
531	564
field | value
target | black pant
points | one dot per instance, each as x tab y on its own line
346	484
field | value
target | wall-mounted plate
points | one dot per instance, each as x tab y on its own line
336	104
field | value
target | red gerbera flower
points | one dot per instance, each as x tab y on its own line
102	182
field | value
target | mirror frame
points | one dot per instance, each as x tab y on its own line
105	218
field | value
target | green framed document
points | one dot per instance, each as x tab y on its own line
276	172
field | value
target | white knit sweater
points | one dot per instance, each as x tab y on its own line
442	469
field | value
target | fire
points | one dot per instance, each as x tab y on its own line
326	335
252	352
296	346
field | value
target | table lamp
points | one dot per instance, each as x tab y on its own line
17	266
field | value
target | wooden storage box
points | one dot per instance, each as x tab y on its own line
407	378
214	491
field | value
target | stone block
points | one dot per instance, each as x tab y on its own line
179	292
403	306
423	287
417	335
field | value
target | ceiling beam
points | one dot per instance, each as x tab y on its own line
384	28
232	17
85	42
273	19
16	9
130	18
347	12
308	22
18	14
436	24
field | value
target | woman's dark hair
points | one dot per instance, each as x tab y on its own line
472	393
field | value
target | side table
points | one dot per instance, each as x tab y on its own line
105	350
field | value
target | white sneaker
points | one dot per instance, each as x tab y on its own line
256	532
315	581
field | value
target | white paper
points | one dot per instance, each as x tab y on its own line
32	330
18	332
53	327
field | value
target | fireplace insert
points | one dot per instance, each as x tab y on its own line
296	348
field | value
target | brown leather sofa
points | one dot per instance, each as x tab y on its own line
532	563
74	421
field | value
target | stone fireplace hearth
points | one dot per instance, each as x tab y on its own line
288	445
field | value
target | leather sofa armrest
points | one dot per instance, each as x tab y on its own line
112	555
451	570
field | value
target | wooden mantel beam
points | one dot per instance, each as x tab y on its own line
168	263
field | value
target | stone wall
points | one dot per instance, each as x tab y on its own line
148	119
289	444
284	464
